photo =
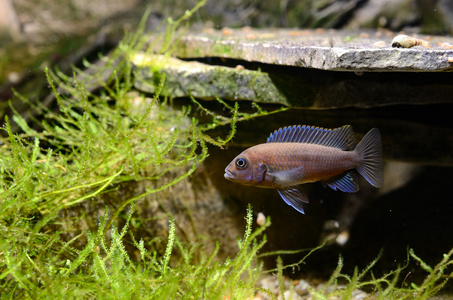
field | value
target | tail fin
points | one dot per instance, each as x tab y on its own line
370	156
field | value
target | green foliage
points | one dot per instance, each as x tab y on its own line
237	116
173	25
342	286
90	147
104	269
436	278
84	151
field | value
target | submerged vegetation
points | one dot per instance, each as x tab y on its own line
88	149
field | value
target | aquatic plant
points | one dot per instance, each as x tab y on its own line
388	286
89	146
103	268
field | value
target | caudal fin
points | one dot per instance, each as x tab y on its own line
370	156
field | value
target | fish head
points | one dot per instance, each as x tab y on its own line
248	168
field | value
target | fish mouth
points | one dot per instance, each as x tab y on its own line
229	174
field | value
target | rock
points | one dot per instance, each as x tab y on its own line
294	86
203	81
289	67
301	287
289	295
320	49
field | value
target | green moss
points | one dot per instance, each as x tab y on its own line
222	50
91	147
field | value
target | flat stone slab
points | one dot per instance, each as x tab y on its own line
290	86
291	67
334	50
184	79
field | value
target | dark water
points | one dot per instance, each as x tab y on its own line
413	209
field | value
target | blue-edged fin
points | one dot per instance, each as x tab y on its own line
370	156
342	137
347	182
294	198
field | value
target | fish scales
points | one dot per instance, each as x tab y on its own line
318	162
296	155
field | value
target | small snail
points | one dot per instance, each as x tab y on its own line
405	41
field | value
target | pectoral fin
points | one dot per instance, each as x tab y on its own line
289	177
294	198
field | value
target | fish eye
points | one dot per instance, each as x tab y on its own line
241	163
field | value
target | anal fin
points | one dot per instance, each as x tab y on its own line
294	198
347	182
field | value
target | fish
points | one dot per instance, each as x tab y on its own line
299	154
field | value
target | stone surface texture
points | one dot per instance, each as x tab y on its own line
204	81
315	69
333	50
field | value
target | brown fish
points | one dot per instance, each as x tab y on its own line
300	154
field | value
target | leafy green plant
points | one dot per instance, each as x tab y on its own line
87	148
343	286
104	269
94	143
437	276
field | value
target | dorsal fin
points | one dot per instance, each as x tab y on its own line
342	137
